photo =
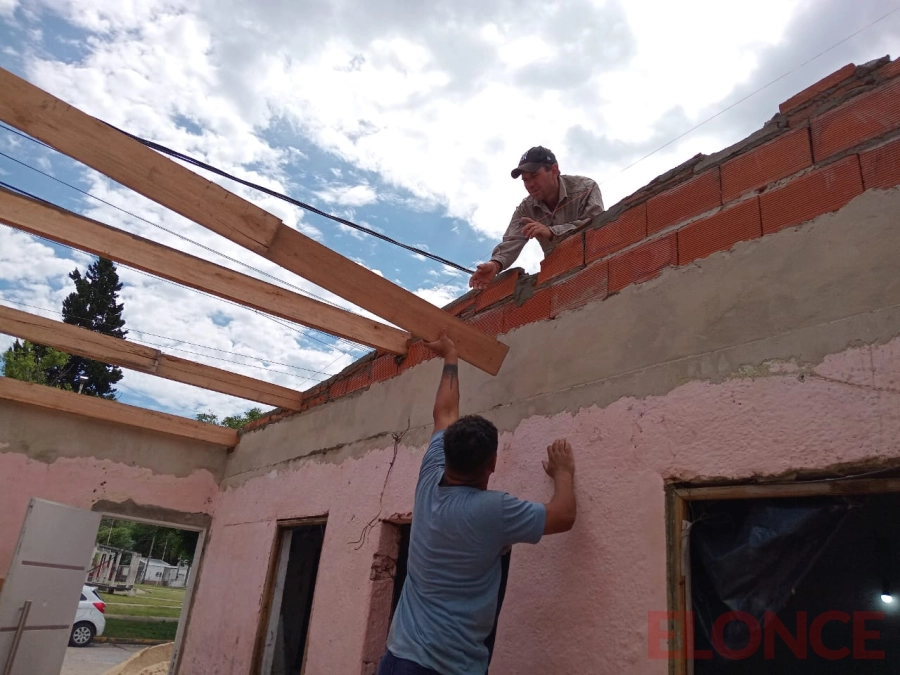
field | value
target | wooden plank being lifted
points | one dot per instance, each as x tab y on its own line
119	352
129	249
113	411
125	160
311	260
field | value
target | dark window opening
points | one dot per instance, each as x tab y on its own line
304	550
795	585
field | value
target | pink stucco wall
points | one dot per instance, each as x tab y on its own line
83	481
220	639
578	602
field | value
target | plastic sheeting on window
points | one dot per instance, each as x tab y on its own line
750	555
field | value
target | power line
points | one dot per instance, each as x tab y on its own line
300	290
190	160
303	332
751	94
290	200
175	283
25	193
177	341
193	344
209	295
278	195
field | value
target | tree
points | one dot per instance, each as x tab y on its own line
93	305
163	543
116	534
232	421
32	363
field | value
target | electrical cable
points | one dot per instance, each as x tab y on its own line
190	160
193	344
750	95
273	193
304	332
175	283
300	290
290	200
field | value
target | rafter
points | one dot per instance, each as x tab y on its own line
129	249
130	163
113	411
119	352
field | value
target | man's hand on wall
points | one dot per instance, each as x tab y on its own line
560	458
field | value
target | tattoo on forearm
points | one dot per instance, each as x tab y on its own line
451	371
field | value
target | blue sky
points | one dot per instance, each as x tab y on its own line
405	118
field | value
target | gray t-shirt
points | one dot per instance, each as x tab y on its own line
449	600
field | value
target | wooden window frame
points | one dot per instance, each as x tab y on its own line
677	498
268	597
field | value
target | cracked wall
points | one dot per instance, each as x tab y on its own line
777	357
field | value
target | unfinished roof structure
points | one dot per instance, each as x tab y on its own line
127	161
728	333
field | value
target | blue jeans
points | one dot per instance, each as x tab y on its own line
391	665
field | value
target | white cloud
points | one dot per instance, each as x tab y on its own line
348	195
436	101
8	7
397	99
24	259
441	295
178	321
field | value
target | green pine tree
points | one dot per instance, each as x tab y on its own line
93	305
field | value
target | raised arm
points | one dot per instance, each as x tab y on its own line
446	403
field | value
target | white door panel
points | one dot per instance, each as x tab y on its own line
48	569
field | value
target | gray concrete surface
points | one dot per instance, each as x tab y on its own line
96	659
796	295
65	435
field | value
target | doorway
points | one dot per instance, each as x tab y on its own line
287	633
69	583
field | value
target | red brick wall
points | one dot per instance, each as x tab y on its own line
829	143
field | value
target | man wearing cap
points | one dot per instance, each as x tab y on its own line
555	207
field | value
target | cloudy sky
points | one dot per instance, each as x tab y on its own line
403	116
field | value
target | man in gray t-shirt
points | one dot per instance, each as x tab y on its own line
460	530
557	206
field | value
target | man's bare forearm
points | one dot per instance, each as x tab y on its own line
561	508
564	493
446	403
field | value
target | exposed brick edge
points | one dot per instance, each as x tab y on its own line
821	87
515	299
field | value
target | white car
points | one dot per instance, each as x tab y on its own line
89	619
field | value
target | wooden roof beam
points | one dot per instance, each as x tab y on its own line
113	411
119	352
129	249
127	161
